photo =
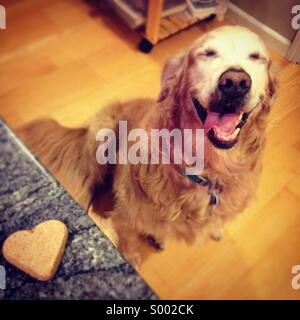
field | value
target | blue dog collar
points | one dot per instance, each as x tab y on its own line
214	188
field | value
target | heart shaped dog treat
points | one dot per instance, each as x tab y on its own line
37	252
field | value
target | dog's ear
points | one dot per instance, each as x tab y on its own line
170	74
273	83
271	90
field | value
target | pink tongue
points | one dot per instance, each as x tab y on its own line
226	124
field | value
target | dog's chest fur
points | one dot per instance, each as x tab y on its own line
166	205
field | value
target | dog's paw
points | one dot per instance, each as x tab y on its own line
155	243
217	234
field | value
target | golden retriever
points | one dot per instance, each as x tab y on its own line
221	84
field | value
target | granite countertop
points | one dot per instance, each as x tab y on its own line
91	267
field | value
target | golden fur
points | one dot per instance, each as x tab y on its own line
157	200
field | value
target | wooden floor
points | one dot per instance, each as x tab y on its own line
59	60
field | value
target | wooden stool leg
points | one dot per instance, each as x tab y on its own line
152	25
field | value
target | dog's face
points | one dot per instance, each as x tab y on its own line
219	82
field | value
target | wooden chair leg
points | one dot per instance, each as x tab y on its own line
152	25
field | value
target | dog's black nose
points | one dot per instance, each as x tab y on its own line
235	83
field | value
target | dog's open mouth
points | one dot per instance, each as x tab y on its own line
222	129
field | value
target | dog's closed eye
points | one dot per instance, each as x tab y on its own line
257	57
209	53
254	56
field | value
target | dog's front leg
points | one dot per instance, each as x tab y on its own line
156	243
129	242
212	230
